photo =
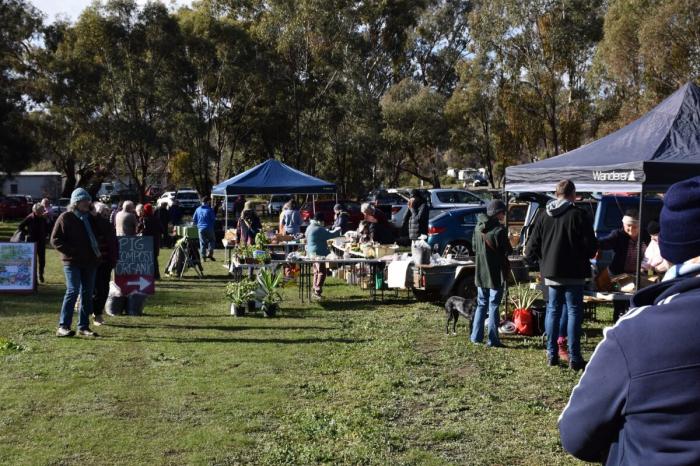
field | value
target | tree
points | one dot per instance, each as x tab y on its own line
20	24
415	130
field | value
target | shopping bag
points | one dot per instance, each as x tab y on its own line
523	322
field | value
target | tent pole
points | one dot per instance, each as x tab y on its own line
505	285
638	277
313	203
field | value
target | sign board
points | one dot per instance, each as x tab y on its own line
135	268
17	265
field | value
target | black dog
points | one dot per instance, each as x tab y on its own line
456	306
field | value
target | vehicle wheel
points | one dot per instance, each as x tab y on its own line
461	248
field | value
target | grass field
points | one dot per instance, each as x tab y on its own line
338	382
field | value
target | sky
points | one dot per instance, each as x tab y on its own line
72	8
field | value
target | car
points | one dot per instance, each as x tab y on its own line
277	202
13	207
454	228
188	199
439	201
326	208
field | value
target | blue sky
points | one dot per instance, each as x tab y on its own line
72	8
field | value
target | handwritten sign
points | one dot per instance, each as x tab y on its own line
17	265
135	268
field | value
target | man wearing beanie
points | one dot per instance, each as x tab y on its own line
491	250
75	237
638	401
563	242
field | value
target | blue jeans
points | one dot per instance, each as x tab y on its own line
79	281
568	297
493	296
206	242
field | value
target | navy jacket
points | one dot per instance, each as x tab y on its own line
638	401
618	241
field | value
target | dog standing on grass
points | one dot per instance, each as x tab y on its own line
456	306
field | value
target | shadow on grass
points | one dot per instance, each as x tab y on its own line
224	328
283	341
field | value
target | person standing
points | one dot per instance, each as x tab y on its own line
149	225
416	219
164	219
107	242
125	221
317	237
204	218
653	262
491	251
379	228
249	224
563	242
35	226
176	213
49	213
623	242
342	219
638	401
290	219
74	238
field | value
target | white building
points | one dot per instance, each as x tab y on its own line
35	184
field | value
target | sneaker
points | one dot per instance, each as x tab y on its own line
563	351
211	258
64	332
41	278
110	314
98	319
86	332
497	345
577	365
552	361
316	295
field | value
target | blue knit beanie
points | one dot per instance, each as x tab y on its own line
79	195
679	239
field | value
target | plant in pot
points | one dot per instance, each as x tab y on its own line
522	298
269	283
239	293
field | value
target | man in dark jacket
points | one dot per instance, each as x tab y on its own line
623	242
164	219
342	219
563	242
74	237
107	242
491	250
416	218
35	226
379	228
638	401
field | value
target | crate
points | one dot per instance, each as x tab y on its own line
187	232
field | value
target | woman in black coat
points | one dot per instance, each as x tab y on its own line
416	218
36	228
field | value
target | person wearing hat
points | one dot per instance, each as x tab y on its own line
74	237
491	250
341	221
249	224
638	400
563	242
317	237
415	222
652	256
623	242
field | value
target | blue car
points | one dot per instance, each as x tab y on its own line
454	227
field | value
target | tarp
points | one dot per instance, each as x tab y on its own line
653	152
273	177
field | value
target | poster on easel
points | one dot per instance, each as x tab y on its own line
17	266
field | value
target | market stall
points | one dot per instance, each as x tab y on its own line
646	156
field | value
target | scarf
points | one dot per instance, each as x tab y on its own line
85	218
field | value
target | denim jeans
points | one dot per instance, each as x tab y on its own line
568	297
492	297
80	281
206	242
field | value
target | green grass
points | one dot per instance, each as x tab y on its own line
340	382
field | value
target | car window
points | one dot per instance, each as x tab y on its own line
469	217
187	196
517	213
457	197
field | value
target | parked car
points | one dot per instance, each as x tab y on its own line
60	206
454	228
277	201
326	208
13	207
439	201
188	199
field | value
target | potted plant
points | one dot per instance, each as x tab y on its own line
522	298
239	294
269	283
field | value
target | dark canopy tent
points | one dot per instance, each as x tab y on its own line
649	154
273	177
